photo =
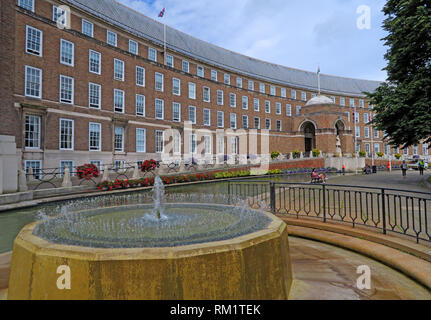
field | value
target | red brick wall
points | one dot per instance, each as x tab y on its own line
381	162
9	116
306	163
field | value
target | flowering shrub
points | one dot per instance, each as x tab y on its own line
275	171
232	174
105	185
148	165
87	171
149	182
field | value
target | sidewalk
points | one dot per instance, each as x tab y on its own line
391	180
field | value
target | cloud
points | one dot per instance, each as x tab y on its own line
335	29
295	33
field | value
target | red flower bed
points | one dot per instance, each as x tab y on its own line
149	182
87	171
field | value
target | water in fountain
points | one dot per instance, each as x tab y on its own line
125	225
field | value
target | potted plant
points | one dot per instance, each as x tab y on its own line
380	154
296	154
275	155
398	156
87	171
316	153
362	154
149	165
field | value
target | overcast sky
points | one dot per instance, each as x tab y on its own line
295	33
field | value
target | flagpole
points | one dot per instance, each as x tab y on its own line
164	42
318	79
356	140
164	38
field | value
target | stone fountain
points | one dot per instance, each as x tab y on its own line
164	251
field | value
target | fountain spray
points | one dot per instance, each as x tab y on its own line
159	198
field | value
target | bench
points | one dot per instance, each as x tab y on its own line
367	171
316	179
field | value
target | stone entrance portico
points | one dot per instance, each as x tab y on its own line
319	124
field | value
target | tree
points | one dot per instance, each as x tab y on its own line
403	102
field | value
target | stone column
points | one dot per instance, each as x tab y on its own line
182	167
105	176
67	182
122	168
30	177
136	174
9	164
22	181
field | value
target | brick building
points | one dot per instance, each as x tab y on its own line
89	81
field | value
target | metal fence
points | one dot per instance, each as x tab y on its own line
389	210
52	177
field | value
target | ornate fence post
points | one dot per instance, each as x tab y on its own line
272	196
324	202
383	211
228	192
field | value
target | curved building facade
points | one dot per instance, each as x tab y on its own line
90	81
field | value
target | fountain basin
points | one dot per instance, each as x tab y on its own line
136	226
252	266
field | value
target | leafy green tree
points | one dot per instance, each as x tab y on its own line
403	103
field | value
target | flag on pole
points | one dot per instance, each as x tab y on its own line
161	15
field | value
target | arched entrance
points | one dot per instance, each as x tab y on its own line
339	127
309	131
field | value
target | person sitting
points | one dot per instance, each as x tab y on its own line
316	177
367	170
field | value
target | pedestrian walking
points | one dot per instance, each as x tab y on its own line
404	169
421	166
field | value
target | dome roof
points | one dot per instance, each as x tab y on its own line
319	100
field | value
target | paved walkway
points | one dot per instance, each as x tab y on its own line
394	180
326	272
5	260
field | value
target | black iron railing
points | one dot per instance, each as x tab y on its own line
388	210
